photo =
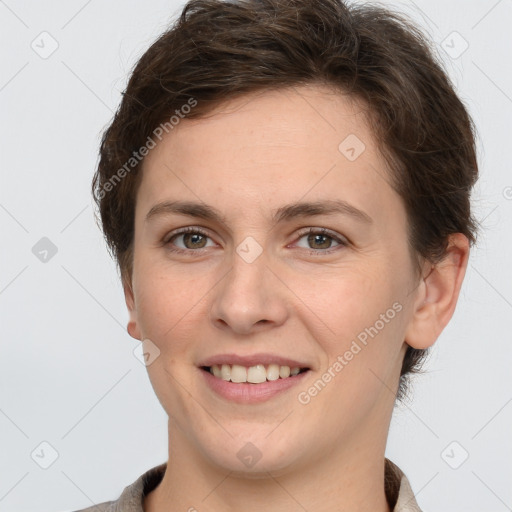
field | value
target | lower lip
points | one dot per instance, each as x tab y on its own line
246	393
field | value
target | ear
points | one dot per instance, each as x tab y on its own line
132	327
438	293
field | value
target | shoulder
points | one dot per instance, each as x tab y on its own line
132	497
398	490
100	507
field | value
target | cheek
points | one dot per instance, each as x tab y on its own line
360	318
167	301
348	300
168	313
362	348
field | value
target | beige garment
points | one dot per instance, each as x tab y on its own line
398	492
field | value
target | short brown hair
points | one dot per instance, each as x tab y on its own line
218	50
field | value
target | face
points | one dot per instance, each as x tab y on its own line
269	283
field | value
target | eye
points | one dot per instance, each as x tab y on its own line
193	239
322	238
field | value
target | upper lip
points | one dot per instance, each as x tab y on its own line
252	360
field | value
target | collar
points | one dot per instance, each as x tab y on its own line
398	491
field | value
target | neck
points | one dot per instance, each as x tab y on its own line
344	479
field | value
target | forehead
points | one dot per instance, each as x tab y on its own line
264	149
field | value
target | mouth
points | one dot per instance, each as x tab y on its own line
255	374
252	378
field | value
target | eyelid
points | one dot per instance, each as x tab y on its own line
166	241
342	241
323	231
180	231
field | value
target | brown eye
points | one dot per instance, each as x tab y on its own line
196	240
192	239
321	240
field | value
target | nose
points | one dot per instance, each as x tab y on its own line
250	297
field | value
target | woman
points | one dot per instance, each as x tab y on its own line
286	189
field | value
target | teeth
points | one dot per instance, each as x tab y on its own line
254	374
284	371
225	372
238	373
273	372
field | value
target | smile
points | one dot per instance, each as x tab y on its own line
252	384
255	374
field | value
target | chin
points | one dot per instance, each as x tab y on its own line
250	456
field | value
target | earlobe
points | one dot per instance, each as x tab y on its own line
132	326
438	294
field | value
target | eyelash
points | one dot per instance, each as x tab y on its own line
314	231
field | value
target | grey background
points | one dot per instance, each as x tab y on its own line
68	374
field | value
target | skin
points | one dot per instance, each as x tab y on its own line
252	156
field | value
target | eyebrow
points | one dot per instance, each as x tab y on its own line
284	213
